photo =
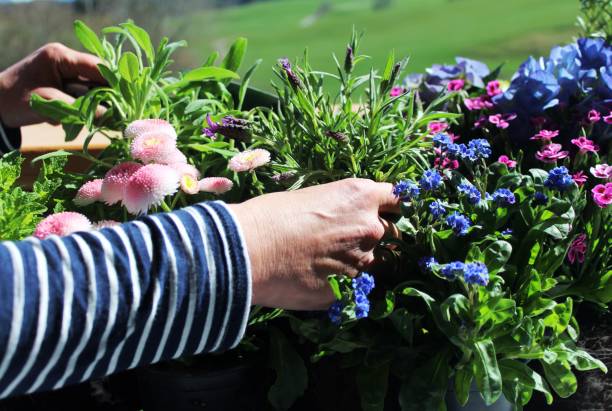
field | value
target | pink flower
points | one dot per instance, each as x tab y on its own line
454	137
577	249
396	91
216	185
602	171
62	224
89	193
551	153
105	224
153	147
455	85
249	160
148	186
436	127
585	145
504	159
480	122
546	135
501	120
608	118
478	103
602	195
139	127
188	177
446	163
593	116
493	88
116	180
580	178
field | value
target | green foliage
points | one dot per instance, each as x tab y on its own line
595	19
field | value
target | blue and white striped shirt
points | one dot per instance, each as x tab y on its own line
94	303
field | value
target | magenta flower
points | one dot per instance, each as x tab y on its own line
593	116
249	160
546	135
478	103
105	224
455	85
153	147
62	224
501	120
216	185
139	127
148	187
504	159
454	137
603	171
116	180
436	127
494	88
396	91
602	195
551	153
89	193
446	163
577	249
585	145
480	122
608	118
580	178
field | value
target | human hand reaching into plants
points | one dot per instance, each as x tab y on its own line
296	239
53	72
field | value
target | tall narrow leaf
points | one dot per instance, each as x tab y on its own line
89	39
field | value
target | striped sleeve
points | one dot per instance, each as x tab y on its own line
10	139
94	303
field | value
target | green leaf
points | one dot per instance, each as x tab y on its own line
142	38
89	39
244	86
517	372
463	382
486	371
372	383
56	110
210	73
235	55
129	66
108	75
58	153
496	255
560	376
291	377
72	130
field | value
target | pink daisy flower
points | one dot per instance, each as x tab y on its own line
603	171
436	127
494	88
89	193
593	116
148	187
546	135
116	180
602	195
153	147
139	127
551	153
188	177
396	91
249	160
105	224
504	159
577	249
62	224
580	178
216	185
455	85
585	145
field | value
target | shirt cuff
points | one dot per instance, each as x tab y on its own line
10	139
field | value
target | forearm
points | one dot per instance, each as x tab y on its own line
94	303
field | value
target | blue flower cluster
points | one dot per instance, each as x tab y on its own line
475	150
473	273
362	287
559	179
441	140
472	193
430	180
428	263
406	190
459	223
432	84
504	197
437	209
539	198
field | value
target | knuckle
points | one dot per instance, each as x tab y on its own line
52	50
372	231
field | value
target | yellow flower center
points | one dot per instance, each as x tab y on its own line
151	142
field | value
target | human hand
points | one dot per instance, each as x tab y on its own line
48	72
296	239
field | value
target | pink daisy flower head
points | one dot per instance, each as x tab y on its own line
455	85
216	185
593	116
188	177
504	159
89	193
116	180
153	147
494	88
546	135
602	171
62	224
551	153
436	127
602	195
249	160
577	249
148	187
139	127
105	224
580	178
396	91
608	119
585	145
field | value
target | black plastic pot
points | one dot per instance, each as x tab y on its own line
475	402
235	388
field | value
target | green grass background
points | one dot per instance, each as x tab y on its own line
428	31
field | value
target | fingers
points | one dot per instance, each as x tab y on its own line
72	64
387	201
391	230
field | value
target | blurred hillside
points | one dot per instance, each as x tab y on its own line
429	31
